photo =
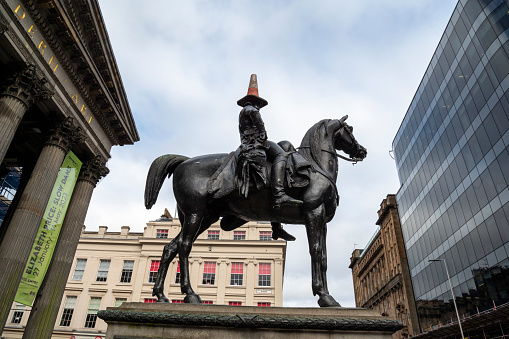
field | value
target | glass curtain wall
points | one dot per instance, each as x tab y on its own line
452	158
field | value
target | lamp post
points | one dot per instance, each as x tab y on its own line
452	294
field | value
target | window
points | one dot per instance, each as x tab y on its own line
213	235
263	304
177	276
127	271
79	269
162	234
176	301
102	273
207	302
235	303
209	273
265	236
237	274
68	311
239	235
152	275
120	301
93	307
149	300
264	274
18	313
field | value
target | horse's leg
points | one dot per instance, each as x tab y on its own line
316	229
169	253
194	225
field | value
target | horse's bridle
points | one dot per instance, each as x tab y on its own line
354	160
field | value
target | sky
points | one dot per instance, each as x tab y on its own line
184	65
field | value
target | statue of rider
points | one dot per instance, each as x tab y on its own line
256	148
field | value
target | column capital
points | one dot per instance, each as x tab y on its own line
251	261
93	170
26	86
66	134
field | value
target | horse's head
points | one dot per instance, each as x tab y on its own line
345	141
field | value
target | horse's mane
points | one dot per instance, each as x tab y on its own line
311	145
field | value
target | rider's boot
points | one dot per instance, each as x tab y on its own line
278	232
277	180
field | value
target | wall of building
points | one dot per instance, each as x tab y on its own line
144	250
453	163
380	271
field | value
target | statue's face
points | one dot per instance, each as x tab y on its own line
250	117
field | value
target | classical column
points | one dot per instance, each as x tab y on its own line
47	303
23	88
19	237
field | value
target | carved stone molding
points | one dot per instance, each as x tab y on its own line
27	87
65	51
93	170
4	26
66	134
251	321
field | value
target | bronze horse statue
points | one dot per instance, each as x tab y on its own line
197	210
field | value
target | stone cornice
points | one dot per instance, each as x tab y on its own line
251	321
84	67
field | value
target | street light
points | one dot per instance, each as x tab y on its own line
452	294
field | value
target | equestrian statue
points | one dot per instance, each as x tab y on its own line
260	181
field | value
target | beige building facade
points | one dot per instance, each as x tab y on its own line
244	267
380	271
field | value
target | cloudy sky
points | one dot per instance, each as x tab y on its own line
184	65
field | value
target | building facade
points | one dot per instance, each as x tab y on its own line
60	92
452	158
240	268
380	272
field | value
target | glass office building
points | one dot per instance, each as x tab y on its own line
452	158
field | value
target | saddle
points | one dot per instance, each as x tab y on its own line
245	172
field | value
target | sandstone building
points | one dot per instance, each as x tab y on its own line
380	271
244	267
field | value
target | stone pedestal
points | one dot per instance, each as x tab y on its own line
139	320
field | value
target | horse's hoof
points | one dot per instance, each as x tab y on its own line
192	299
328	301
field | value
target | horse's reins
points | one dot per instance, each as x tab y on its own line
354	160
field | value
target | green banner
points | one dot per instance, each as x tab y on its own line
49	229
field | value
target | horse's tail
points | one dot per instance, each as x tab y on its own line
163	166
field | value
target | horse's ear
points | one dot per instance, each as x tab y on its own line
343	119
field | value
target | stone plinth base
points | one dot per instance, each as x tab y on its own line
139	320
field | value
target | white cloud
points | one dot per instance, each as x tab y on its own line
184	65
